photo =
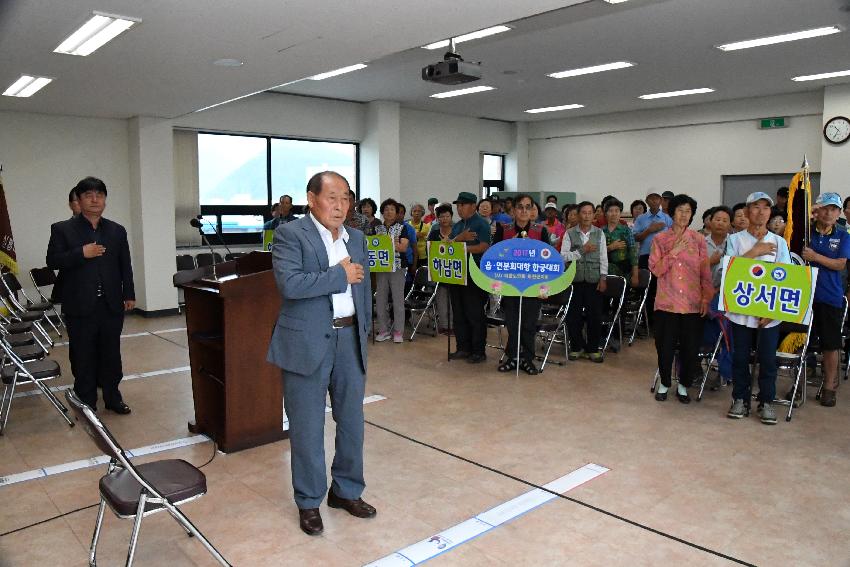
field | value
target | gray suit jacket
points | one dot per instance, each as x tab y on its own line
303	331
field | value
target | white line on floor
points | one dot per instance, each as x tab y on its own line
100	460
463	532
146	450
131	335
35	391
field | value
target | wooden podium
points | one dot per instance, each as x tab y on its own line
238	395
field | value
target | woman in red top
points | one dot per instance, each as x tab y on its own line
679	259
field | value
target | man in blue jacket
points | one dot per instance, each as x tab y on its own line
319	342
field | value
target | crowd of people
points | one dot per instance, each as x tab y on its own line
657	235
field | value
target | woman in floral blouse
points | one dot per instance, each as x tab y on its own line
679	259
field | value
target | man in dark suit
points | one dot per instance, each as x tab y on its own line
93	256
319	342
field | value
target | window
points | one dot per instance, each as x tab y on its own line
492	174
240	177
294	162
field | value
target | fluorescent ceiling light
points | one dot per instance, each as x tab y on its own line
342	71
593	69
466	37
95	33
26	86
616	1
460	92
822	76
676	93
773	39
555	108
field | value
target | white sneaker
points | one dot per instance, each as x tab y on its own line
398	337
383	336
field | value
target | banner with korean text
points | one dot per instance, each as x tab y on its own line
522	267
268	239
381	253
447	262
763	289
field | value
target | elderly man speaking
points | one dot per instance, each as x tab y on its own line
319	342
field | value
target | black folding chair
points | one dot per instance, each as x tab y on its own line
37	311
495	319
206	259
133	492
421	299
552	324
185	262
843	338
41	278
35	372
634	310
796	363
615	293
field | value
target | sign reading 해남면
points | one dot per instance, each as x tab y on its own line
783	292
447	262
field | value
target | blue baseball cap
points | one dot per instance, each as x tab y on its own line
758	196
829	199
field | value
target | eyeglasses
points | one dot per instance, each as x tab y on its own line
524	207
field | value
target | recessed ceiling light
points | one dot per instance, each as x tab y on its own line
593	69
616	1
822	76
676	93
773	39
26	86
466	37
555	108
97	31
228	62
460	92
342	71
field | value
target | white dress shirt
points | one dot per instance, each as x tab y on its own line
742	242
343	302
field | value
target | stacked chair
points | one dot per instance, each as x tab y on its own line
30	310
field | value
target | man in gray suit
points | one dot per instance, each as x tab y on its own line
319	342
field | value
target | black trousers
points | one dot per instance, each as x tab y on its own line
468	303
95	353
528	332
586	302
682	330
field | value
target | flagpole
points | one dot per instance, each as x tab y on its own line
808	202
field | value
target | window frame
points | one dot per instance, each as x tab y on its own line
265	210
490	186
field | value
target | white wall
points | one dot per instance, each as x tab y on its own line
836	159
441	154
43	157
278	114
684	149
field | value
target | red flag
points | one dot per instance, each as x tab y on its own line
7	242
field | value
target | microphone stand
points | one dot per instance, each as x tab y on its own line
197	224
220	237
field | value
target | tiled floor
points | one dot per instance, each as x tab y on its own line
769	496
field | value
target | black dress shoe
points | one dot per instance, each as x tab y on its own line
310	521
476	358
685	399
458	355
660	396
120	408
356	508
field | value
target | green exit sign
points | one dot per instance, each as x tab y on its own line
768	123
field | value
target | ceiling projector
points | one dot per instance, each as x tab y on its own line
452	70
